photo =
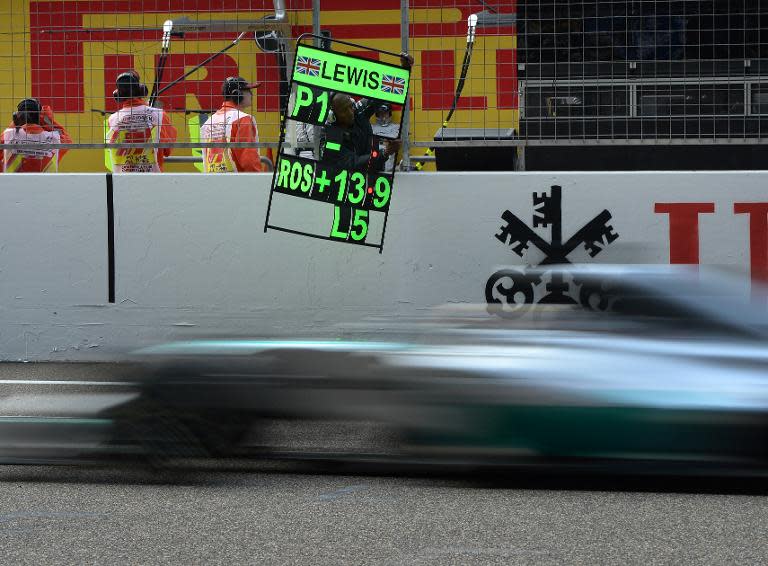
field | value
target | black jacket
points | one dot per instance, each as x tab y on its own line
357	144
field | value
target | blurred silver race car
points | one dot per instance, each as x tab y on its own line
642	369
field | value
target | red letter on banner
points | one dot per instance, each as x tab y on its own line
684	228
438	83
758	236
207	89
57	67
506	78
267	73
113	66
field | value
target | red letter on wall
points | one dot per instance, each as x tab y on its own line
684	228
758	236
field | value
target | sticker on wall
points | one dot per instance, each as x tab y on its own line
332	179
509	289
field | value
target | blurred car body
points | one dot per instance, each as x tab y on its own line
651	369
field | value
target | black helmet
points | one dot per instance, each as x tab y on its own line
129	85
27	112
29	105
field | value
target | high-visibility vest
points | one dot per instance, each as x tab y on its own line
30	160
134	124
194	136
218	128
107	152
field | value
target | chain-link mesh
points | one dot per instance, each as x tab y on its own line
537	72
685	71
465	87
68	53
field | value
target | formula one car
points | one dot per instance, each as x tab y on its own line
645	369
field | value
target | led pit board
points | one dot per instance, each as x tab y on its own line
322	185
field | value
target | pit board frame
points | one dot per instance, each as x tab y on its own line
313	77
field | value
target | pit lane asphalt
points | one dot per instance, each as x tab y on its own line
273	515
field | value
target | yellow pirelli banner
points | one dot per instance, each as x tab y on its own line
68	53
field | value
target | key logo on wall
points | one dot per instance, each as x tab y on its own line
509	289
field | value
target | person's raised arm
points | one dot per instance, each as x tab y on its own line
49	123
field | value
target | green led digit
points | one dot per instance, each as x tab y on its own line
304	98
382	190
360	220
323	101
357	181
335	232
341	179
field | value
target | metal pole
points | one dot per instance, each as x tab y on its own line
405	134
316	131
203	64
316	21
165	48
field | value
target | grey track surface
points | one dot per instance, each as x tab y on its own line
273	515
57	515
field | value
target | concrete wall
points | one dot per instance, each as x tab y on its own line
191	257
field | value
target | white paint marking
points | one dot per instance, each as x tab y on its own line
65	382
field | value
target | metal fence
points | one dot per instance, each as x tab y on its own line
681	71
68	53
529	73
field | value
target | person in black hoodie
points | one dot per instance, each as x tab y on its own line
350	142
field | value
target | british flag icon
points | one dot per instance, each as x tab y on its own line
308	66
393	85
